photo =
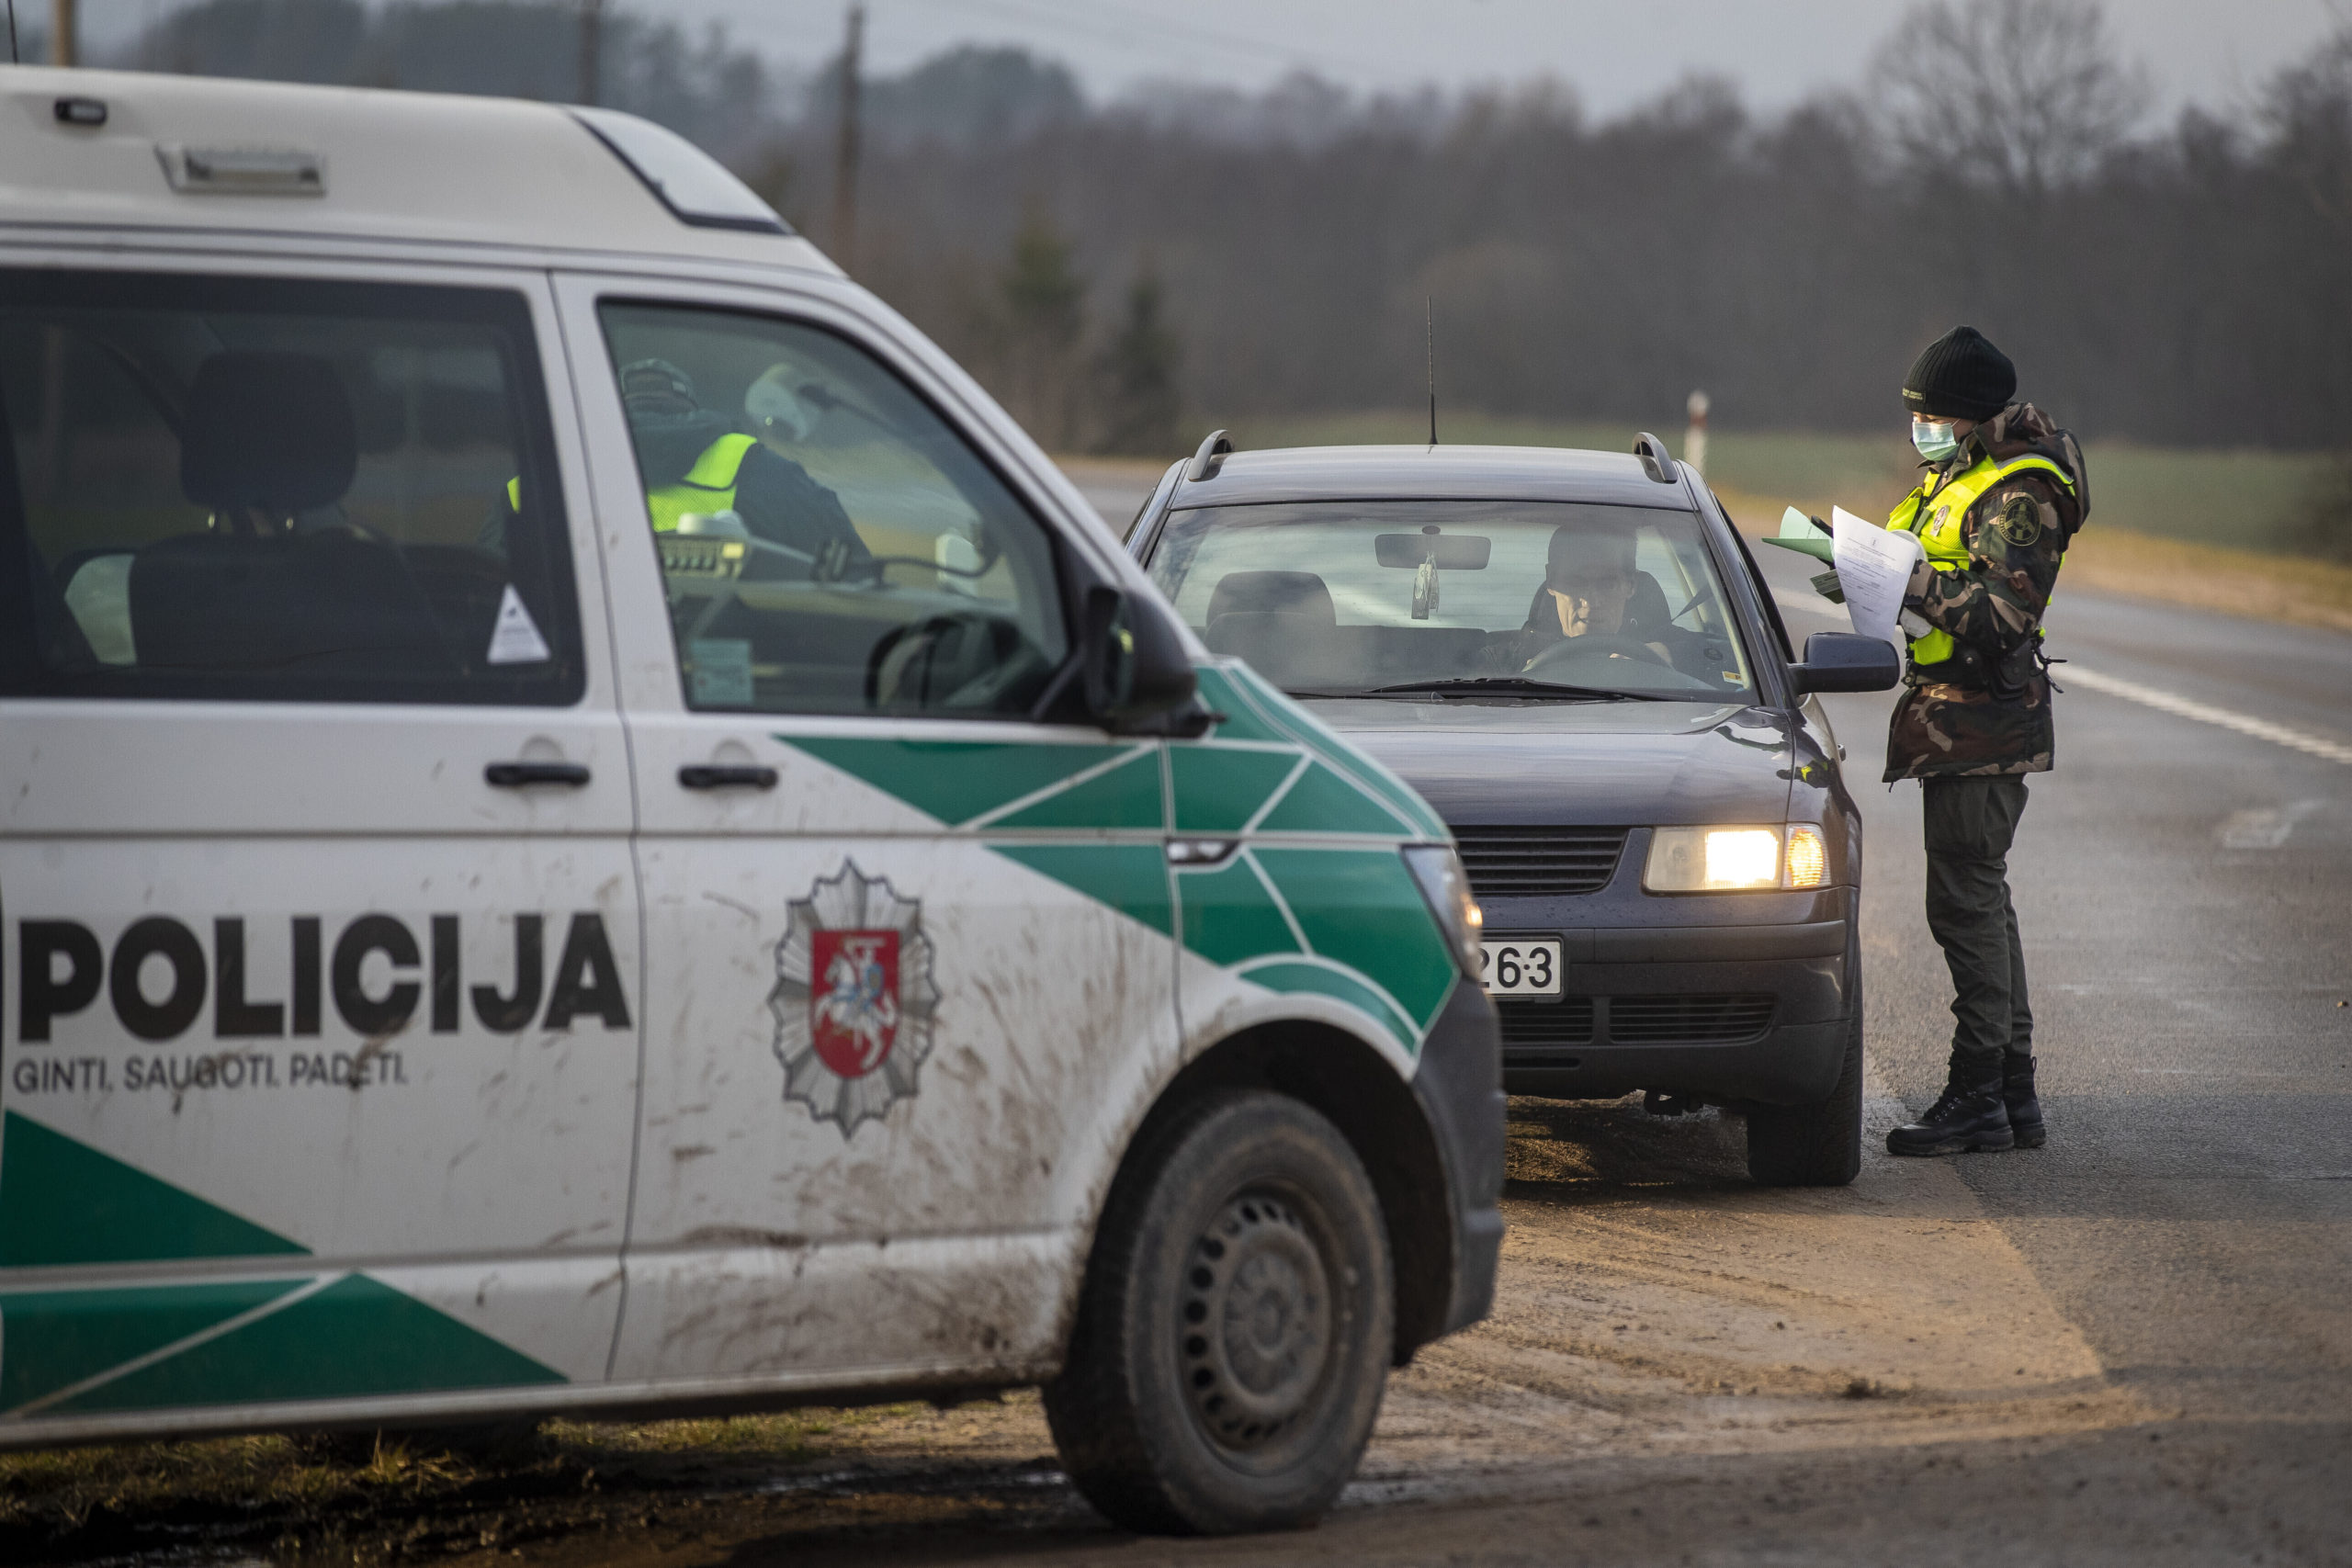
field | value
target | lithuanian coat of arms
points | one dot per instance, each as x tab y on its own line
853	998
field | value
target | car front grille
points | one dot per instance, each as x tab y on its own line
1548	1033
1524	862
1687	1020
1529	1023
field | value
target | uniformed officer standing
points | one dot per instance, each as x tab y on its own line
2004	493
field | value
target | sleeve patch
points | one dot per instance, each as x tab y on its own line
2020	522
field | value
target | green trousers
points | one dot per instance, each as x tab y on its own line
1970	825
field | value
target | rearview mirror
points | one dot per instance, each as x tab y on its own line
1137	676
1452	552
1847	662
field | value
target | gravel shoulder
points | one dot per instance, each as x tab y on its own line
1658	1317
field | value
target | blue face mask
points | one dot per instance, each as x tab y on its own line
1935	441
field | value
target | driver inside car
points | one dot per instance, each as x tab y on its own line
1589	585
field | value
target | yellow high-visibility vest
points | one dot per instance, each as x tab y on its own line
1937	511
709	486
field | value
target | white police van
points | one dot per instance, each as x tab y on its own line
586	826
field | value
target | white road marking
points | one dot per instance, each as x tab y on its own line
2264	827
2277	734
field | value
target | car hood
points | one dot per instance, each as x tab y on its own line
1597	764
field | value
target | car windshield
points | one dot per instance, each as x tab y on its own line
1495	599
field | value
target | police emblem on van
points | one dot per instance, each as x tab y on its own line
853	998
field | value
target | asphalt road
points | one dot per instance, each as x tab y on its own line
2184	883
2185	890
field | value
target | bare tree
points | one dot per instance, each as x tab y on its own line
2027	94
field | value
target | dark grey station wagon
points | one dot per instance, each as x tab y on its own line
1571	655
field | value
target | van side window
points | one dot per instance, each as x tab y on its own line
829	543
270	490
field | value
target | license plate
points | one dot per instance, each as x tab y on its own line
1511	968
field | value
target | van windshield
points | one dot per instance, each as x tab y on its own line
1507	598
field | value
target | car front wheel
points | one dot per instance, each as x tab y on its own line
1821	1145
1233	1336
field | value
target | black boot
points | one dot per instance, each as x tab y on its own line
2017	1092
1968	1116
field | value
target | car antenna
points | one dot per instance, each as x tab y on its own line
14	58
1429	303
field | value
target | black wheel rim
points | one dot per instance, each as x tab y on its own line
1255	1324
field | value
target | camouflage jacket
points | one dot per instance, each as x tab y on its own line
1985	710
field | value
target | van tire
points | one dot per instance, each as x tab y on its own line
1820	1145
1246	1210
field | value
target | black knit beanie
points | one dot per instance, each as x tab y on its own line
1960	376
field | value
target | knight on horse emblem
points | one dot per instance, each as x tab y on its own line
853	998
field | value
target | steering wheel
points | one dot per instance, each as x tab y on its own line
1593	645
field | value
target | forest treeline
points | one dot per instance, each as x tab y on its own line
1124	271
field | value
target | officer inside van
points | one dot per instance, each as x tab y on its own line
692	461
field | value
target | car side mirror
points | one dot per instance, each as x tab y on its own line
1138	679
1847	662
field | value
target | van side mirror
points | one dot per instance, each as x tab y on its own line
1847	662
1131	659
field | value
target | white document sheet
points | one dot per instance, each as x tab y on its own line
1873	567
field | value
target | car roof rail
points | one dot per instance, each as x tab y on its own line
1209	459
1656	461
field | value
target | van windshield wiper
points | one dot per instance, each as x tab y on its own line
1514	686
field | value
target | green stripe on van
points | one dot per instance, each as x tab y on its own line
355	1339
63	1202
1219	788
955	780
1323	802
1290	721
1229	918
1361	907
1131	878
1291	975
54	1339
1128	796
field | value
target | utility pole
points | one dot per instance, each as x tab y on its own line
845	145
62	44
1694	440
592	48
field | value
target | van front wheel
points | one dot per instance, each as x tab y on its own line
1234	1332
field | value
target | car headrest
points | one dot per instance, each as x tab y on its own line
270	431
1647	607
1287	592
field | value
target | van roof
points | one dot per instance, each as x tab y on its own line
394	165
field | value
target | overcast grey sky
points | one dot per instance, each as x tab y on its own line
1615	52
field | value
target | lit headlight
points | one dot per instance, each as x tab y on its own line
1446	887
1734	860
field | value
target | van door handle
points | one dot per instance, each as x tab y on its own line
516	775
711	775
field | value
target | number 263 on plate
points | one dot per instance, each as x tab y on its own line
1511	967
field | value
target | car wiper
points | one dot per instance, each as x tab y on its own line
1515	685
